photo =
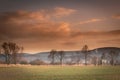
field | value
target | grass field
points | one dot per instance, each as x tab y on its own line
60	73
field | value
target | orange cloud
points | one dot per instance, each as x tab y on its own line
40	16
117	16
37	30
23	24
60	11
90	21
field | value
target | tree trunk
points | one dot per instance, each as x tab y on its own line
85	59
61	60
6	59
15	58
52	59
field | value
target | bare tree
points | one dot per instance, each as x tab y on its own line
61	55
78	57
6	49
102	58
113	56
15	49
94	60
10	50
85	52
72	57
20	53
52	56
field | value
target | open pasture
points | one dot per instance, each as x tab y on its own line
60	73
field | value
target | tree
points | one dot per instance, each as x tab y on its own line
61	55
6	49
52	56
94	60
85	52
73	59
78	57
15	49
10	50
19	57
103	57
113	55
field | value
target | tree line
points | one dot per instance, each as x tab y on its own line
95	60
59	55
11	51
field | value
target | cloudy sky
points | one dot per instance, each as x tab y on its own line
42	25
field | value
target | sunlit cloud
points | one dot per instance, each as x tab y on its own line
37	24
38	29
90	21
61	12
39	16
117	16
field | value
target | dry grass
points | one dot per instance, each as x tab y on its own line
49	72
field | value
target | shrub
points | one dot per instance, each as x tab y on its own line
37	62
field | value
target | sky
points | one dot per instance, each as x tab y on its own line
42	25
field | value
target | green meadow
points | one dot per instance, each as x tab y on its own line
60	73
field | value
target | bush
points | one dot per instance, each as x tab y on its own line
2	62
37	62
23	62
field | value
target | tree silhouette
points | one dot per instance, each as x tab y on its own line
7	52
15	49
85	52
21	51
103	56
113	55
94	60
52	56
78	57
61	55
10	50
